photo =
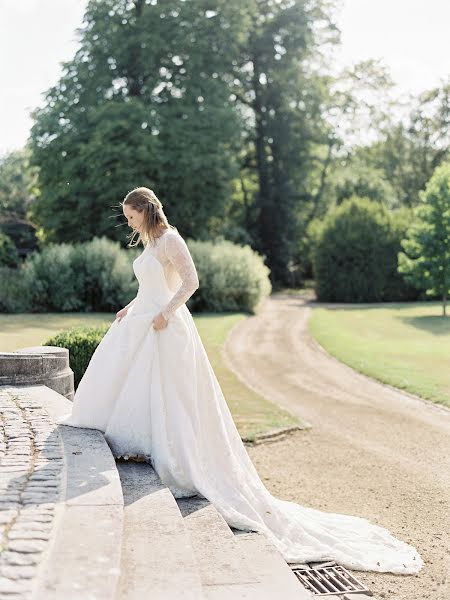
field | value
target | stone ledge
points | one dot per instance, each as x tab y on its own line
44	365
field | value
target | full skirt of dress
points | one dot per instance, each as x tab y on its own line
154	393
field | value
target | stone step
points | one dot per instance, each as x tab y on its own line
83	558
219	563
120	534
276	579
231	569
157	556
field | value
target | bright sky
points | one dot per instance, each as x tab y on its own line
410	36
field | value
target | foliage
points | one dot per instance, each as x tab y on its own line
81	343
145	101
190	98
91	276
22	232
282	95
14	291
410	150
18	181
228	111
106	278
232	277
425	261
397	288
357	177
52	279
97	276
8	252
18	189
355	254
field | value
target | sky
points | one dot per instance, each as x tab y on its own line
36	36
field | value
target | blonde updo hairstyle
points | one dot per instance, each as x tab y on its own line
144	200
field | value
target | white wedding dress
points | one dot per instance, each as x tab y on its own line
154	393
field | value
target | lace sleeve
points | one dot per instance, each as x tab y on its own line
178	253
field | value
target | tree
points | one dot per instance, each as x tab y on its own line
18	190
355	176
17	183
411	149
145	101
425	261
281	92
190	97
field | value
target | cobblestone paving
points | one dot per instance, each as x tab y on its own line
31	465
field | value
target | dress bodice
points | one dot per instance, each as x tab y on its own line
166	273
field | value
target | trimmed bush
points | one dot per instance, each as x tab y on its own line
81	343
89	276
232	277
14	291
52	279
106	281
8	252
98	276
355	254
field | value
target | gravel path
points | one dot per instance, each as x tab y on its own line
373	451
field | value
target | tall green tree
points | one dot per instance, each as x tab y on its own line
145	101
281	92
425	261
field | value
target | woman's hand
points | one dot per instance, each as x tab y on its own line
159	322
121	313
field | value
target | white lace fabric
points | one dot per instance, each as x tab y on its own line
181	275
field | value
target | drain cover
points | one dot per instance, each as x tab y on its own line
327	581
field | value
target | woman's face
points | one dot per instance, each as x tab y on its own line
134	218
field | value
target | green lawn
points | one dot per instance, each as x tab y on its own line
252	413
406	345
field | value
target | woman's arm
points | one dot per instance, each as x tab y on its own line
178	254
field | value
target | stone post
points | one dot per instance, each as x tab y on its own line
46	365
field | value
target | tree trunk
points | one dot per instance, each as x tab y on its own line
264	218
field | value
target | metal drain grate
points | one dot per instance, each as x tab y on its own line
327	581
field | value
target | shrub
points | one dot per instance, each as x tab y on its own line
89	276
398	288
14	291
52	280
8	252
355	254
81	343
232	277
98	276
106	281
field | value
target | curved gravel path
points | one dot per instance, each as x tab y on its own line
372	451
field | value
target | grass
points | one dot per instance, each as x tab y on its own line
33	329
252	413
406	345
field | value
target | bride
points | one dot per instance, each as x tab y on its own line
150	388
